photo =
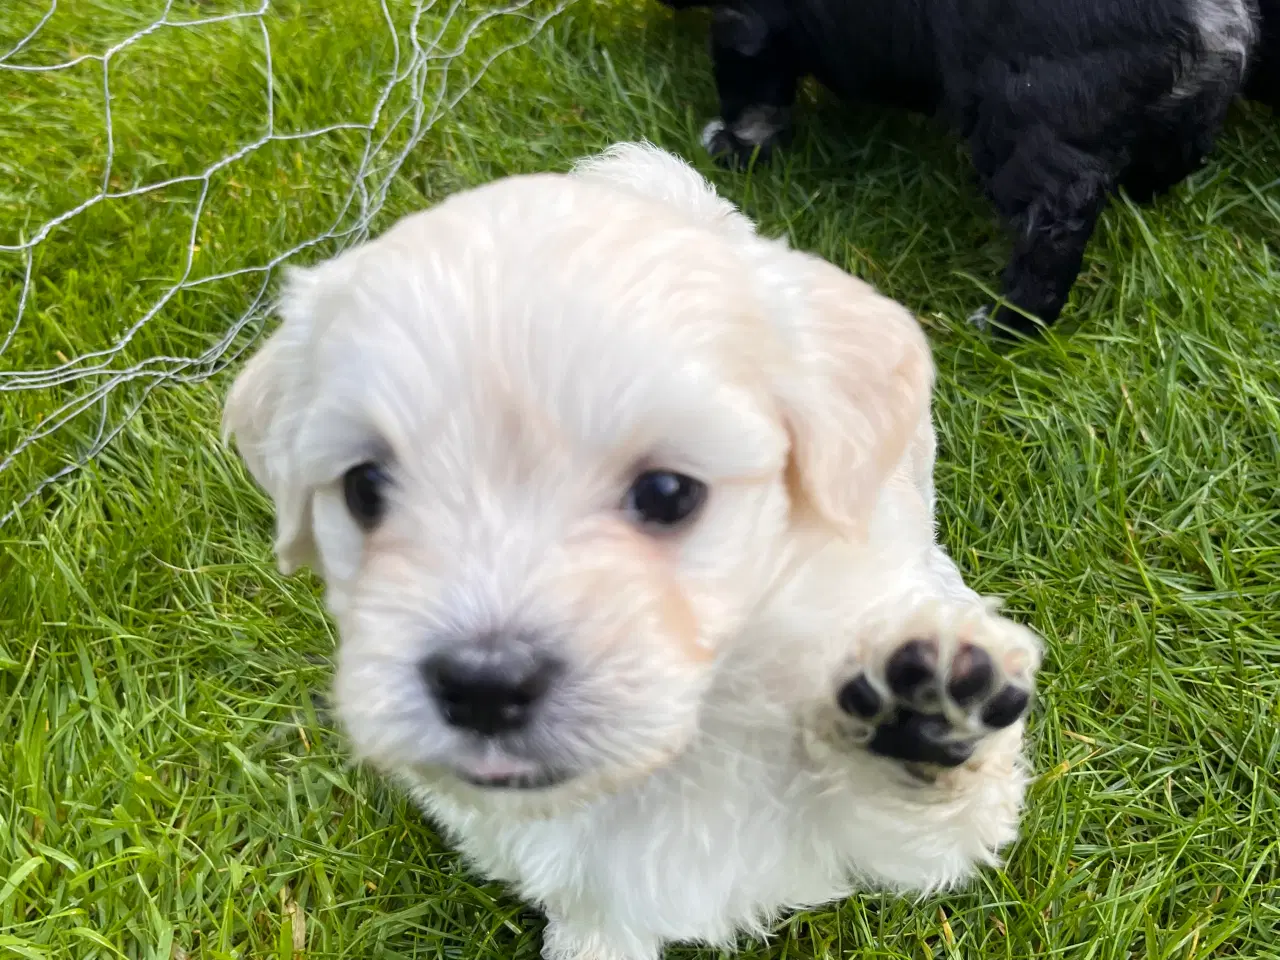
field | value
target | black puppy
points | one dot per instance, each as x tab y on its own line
1061	101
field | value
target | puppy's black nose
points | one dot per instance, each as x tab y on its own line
490	689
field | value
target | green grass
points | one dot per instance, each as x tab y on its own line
167	789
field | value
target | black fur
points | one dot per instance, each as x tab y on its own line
1061	101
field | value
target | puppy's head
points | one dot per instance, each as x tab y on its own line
545	442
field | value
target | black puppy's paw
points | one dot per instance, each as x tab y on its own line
754	137
1004	322
931	691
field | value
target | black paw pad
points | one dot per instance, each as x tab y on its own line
920	738
972	674
933	704
1005	707
912	669
859	698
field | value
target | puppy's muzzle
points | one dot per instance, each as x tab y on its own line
491	685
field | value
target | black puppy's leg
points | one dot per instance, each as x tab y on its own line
756	77
1179	134
1050	194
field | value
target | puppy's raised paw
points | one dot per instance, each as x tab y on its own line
928	687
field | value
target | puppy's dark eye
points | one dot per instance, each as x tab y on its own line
661	498
364	487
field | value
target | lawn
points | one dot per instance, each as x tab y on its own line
169	784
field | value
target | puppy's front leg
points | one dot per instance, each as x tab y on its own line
756	76
926	719
1050	195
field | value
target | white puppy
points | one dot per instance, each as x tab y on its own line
625	516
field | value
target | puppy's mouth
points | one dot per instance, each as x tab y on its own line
537	780
501	773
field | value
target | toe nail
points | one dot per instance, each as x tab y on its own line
914	665
971	674
859	698
1005	707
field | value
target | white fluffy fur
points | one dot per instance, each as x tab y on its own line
514	355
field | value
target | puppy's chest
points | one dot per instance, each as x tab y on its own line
711	846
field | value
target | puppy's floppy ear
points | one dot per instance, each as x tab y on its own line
856	380
854	390
263	410
653	173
